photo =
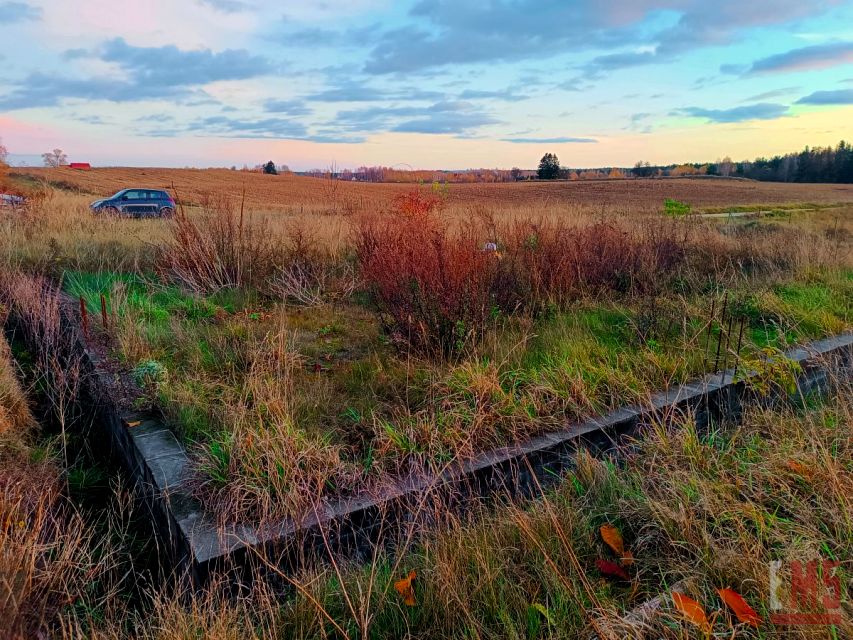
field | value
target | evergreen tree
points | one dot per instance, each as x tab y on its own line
549	167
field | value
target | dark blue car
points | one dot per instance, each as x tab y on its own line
137	203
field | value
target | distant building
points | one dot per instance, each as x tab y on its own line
84	166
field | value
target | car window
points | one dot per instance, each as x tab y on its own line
156	195
132	195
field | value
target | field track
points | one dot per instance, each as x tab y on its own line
287	192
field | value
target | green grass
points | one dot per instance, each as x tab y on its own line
329	380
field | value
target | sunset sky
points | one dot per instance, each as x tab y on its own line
431	83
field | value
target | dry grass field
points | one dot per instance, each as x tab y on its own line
346	335
292	194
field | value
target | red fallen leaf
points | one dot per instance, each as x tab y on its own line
611	570
692	611
405	588
742	610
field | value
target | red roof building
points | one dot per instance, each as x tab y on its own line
80	165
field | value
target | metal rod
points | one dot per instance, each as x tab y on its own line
726	350
720	335
708	333
104	318
737	352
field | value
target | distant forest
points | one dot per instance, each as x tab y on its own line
817	164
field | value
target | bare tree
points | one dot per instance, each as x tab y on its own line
725	167
55	158
4	153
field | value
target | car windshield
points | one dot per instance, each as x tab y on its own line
118	194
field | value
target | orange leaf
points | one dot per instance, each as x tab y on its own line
691	610
742	610
613	538
611	569
135	423
405	588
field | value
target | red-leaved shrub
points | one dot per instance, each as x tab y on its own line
432	285
436	286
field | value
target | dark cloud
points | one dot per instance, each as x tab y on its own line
443	32
840	96
287	107
819	56
760	111
14	12
42	90
558	140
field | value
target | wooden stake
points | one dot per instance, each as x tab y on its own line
84	315
104	318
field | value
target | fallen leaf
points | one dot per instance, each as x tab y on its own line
135	423
800	469
742	610
405	588
691	610
611	569
613	538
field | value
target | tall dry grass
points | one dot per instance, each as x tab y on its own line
700	510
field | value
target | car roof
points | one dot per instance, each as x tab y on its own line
140	189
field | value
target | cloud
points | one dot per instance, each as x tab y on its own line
171	66
820	56
775	93
508	94
14	12
287	107
760	111
558	140
840	96
226	6
456	123
350	90
151	73
453	117
261	128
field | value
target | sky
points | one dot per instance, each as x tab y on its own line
448	84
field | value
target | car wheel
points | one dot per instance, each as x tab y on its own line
167	212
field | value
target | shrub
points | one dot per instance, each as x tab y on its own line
224	247
432	286
675	209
